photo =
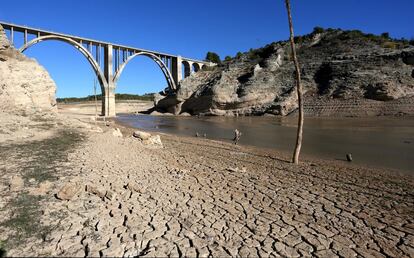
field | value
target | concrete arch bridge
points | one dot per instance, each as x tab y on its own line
108	60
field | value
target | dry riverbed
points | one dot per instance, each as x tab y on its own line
83	191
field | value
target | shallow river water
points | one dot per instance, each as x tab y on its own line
377	142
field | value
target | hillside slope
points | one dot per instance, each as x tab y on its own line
345	73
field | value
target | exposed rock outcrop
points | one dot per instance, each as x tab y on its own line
25	86
337	66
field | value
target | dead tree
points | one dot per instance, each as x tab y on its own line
299	134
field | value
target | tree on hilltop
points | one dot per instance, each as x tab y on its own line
213	57
318	29
385	35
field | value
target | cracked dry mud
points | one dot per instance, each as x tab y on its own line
196	197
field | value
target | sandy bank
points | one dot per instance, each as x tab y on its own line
87	109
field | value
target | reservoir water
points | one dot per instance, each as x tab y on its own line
386	142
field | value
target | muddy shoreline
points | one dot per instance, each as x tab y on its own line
266	133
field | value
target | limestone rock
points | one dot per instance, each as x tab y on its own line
16	183
156	113
4	42
141	135
153	140
43	188
135	187
335	66
25	86
110	195
68	191
95	190
117	133
157	97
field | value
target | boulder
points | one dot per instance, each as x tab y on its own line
68	191
141	135
117	133
95	190
110	195
153	140
135	187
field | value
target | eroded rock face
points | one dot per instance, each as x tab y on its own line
334	65
25	86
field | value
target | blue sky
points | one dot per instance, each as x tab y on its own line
187	28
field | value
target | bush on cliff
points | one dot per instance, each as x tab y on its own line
213	57
227	58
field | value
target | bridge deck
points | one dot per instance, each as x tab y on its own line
40	32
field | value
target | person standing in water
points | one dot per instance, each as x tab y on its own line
237	135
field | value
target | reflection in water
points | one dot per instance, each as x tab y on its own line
380	142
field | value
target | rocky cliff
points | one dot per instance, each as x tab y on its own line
343	73
25	86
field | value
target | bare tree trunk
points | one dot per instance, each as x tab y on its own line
298	89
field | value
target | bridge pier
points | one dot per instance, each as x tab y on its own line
108	102
108	96
176	69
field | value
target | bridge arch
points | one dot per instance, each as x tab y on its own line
157	60
186	69
196	67
79	47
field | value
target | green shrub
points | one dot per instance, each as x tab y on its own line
355	33
227	58
385	35
253	54
404	42
213	57
317	30
298	39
